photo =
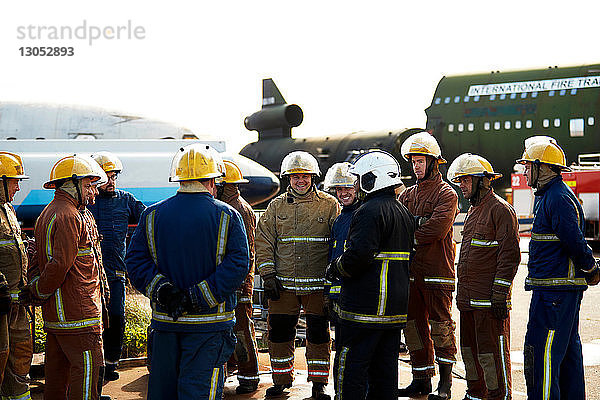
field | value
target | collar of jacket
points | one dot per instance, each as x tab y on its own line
192	187
104	193
308	196
542	190
351	207
485	198
435	177
230	193
389	191
61	195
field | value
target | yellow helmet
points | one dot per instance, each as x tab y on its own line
71	167
422	143
233	173
338	176
196	161
108	161
473	165
11	166
299	162
544	149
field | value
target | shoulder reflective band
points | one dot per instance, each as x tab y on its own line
190	319
304	239
439	280
369	319
48	238
150	236
502	282
484	243
556	282
222	238
393	255
544	237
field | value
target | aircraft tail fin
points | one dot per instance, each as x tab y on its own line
271	94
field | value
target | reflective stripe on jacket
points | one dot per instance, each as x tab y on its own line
13	253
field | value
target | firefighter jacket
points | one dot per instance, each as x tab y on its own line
337	244
433	261
13	251
489	253
374	267
234	199
113	213
198	244
292	239
96	247
69	278
558	252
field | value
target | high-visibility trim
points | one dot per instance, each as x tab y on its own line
318	362
282	370
341	370
39	294
87	375
120	274
484	243
14	294
301	280
282	360
22	396
4	243
571	269
383	278
335	290
86	251
423	368
222	238
248	378
556	282
470	397
304	239
547	381
480	303
302	284
207	294
190	319
502	282
67	325
505	370
150	236
267	263
318	373
152	284
48	238
245	300
214	382
440	280
445	360
544	237
393	255
60	308
369	319
303	288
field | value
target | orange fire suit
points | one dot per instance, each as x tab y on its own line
292	240
69	282
430	325
487	265
16	349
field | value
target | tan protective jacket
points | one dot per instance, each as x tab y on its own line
489	253
433	261
69	276
292	239
13	252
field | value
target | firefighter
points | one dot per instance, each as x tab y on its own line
291	253
430	326
16	349
68	284
245	356
488	261
113	211
560	266
374	273
189	255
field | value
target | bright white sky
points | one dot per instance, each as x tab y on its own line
350	65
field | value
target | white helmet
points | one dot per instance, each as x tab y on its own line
422	144
98	168
338	176
299	162
376	170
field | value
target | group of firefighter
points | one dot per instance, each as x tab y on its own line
373	260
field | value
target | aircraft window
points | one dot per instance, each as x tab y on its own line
461	127
546	122
523	95
486	126
476	98
457	99
513	95
447	100
562	92
590	121
492	97
573	91
534	94
438	100
506	124
502	96
551	93
556	122
466	99
497	125
450	127
517	124
576	127
528	124
471	127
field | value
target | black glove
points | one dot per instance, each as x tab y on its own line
4	300
173	300
419	221
272	287
593	277
331	271
499	305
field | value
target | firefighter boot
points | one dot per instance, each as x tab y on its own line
418	387
276	390
247	387
109	372
318	391
443	389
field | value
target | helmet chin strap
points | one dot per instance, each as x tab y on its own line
5	184
535	173
79	198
